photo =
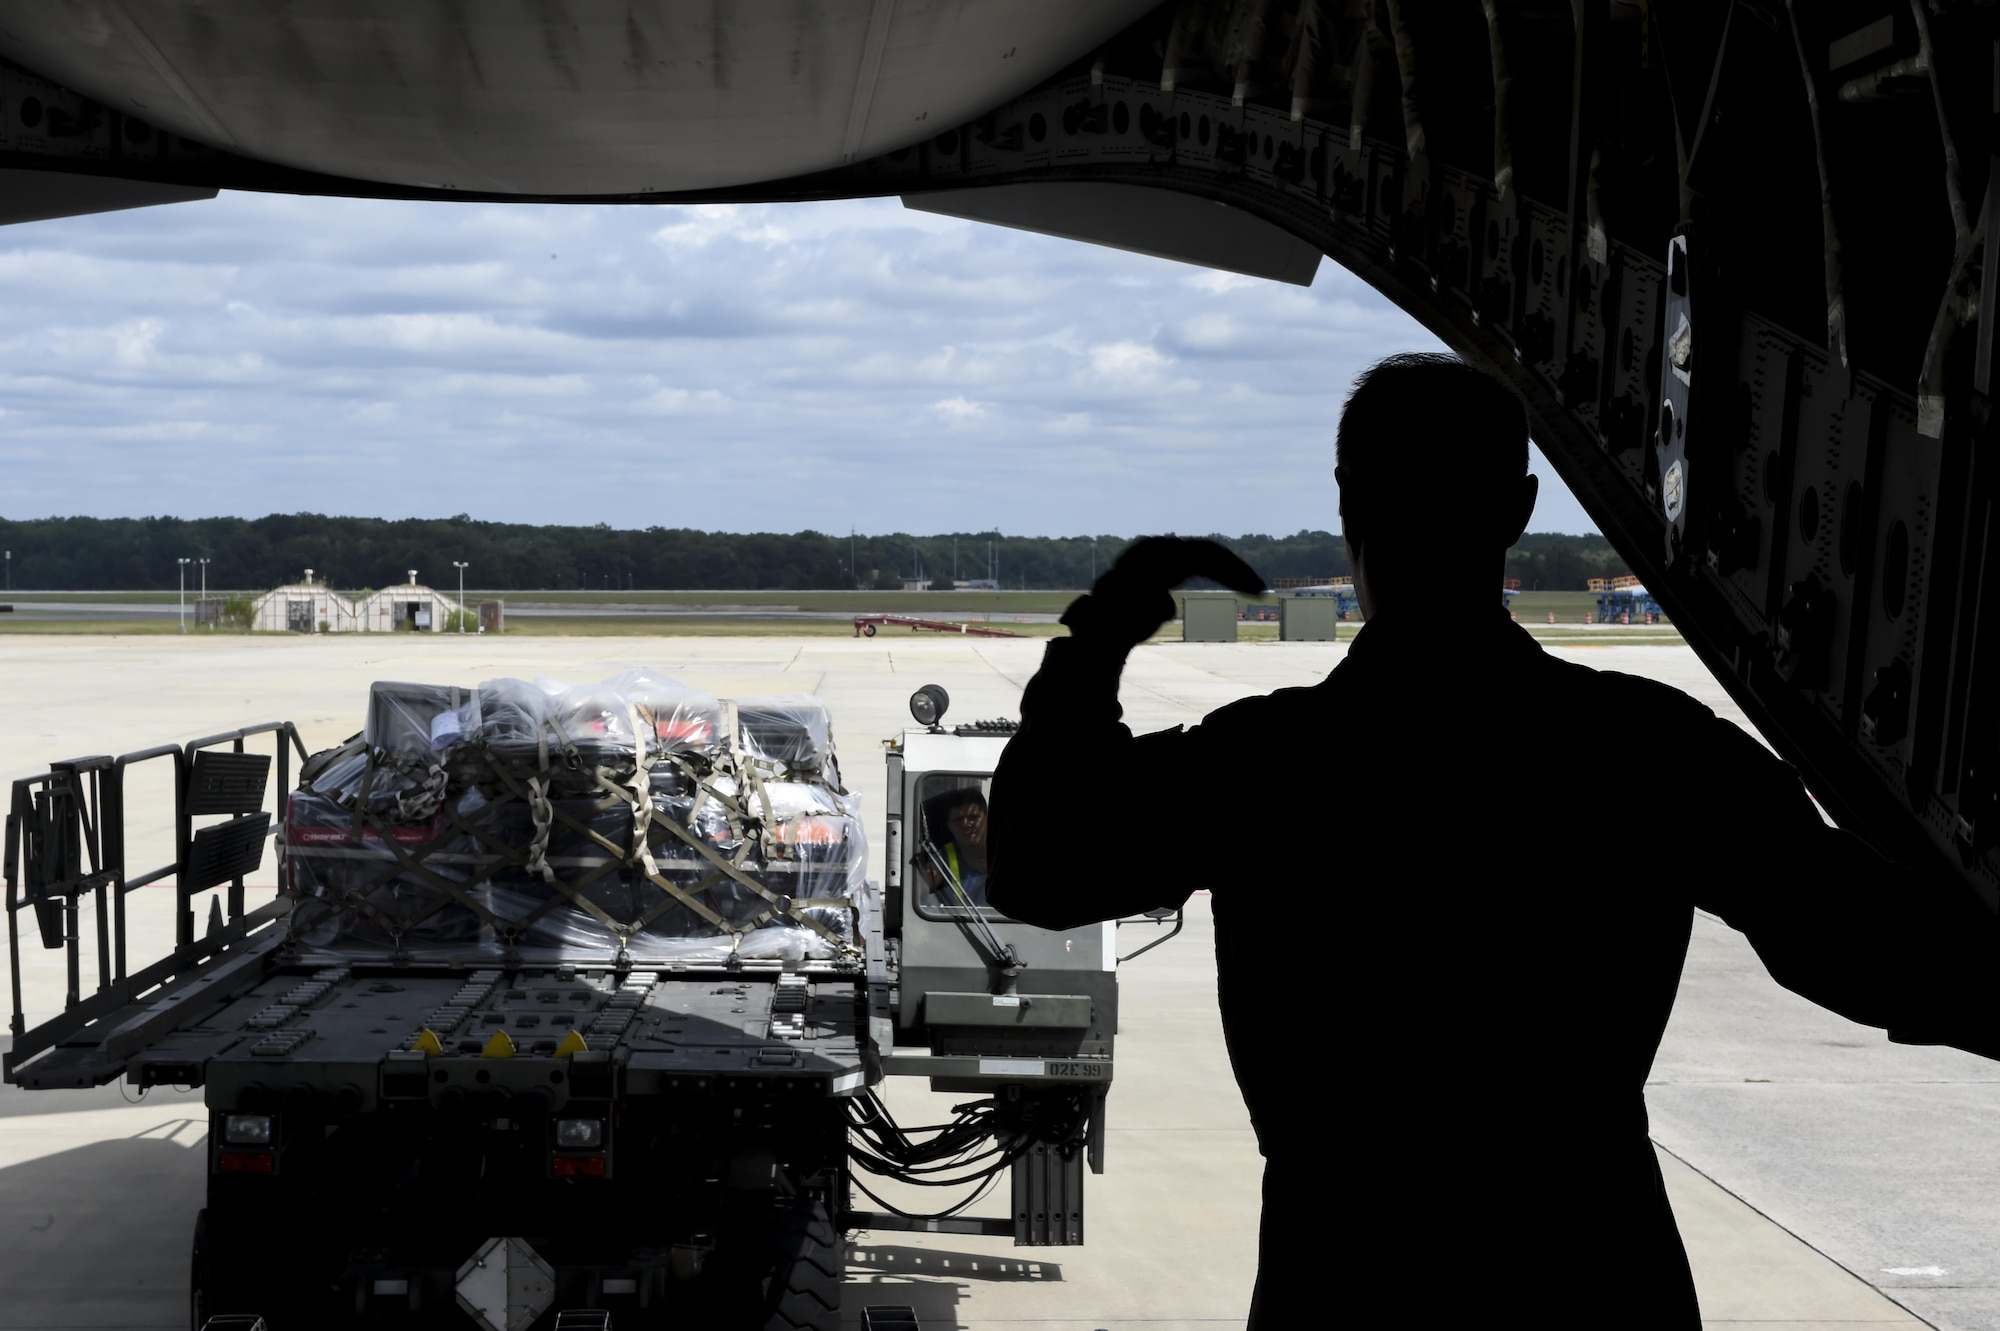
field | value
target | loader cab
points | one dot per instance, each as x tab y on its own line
973	981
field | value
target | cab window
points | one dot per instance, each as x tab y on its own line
948	852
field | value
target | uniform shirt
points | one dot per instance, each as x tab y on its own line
972	880
1441	986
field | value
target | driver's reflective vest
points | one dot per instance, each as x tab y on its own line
951	858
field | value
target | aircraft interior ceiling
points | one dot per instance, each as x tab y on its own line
1731	254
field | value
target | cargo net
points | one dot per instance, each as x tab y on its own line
637	818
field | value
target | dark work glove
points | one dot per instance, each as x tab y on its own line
1133	598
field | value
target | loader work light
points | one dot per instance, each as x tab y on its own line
579	1134
247	1129
928	704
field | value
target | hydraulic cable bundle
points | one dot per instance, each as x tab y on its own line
982	1140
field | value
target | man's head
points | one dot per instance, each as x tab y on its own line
965	817
1432	462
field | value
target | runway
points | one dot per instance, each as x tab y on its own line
1821	1176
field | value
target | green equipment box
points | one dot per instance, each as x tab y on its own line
1308	618
1208	617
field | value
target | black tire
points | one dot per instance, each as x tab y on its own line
868	629
198	1276
801	1290
220	1280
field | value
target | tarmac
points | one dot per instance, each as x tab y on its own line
1822	1178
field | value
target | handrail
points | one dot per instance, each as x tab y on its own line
114	832
55	821
65	839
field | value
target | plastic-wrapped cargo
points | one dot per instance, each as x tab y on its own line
539	819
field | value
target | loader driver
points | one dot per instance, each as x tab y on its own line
963	850
1494	1031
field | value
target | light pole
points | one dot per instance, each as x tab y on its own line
10	570
184	593
461	566
204	591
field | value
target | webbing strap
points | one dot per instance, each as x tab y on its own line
780	905
748	770
358	897
414	865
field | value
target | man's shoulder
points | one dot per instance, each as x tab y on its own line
1265	709
1516	675
1617	687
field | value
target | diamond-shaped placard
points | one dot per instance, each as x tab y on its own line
506	1285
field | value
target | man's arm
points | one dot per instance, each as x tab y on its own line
1078	832
1835	922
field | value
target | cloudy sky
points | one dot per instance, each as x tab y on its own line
762	368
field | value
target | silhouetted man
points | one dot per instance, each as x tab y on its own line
1442	1038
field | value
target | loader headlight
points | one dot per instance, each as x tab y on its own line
579	1134
247	1129
928	704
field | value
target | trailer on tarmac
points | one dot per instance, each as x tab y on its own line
865	626
572	1006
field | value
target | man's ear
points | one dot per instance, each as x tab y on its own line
1522	508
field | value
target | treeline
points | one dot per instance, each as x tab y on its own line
142	554
1544	561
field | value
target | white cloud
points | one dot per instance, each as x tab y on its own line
1216	282
1208	332
679	401
695	227
1128	369
133	343
958	410
1126	362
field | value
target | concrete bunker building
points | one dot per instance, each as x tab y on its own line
410	606
302	607
313	607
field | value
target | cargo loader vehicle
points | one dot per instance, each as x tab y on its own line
573	1006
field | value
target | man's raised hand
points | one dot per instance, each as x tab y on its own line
1134	597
